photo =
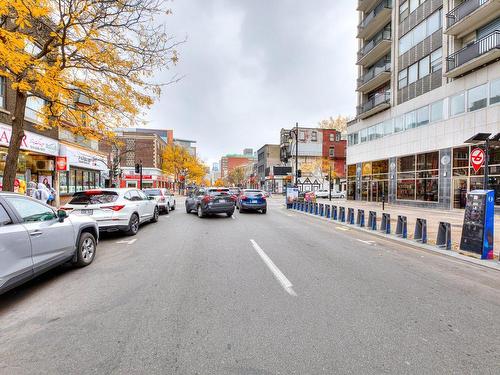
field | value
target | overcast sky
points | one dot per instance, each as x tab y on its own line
252	67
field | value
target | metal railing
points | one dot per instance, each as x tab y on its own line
373	72
461	11
473	50
384	34
373	102
384	4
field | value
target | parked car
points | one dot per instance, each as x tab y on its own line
34	238
321	193
338	194
206	201
164	198
115	209
252	200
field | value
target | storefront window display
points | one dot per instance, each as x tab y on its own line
78	180
351	181
418	177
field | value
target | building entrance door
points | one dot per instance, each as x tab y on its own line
377	189
459	192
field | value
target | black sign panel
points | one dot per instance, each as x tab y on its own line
282	171
473	227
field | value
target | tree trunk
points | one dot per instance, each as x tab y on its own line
16	138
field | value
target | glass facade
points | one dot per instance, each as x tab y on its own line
417	177
77	179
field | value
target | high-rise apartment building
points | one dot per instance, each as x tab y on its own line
429	79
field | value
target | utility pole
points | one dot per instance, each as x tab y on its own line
296	154
140	174
486	162
329	180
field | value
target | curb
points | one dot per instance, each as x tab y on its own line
449	253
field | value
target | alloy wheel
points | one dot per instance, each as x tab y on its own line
88	249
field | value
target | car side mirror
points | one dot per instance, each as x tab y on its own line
62	214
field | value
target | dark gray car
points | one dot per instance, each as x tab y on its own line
206	201
34	238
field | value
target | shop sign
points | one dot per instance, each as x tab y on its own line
477	158
137	177
84	159
62	164
31	141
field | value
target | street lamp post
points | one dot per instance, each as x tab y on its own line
295	133
329	180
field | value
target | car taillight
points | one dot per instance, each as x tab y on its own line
116	207
207	199
66	208
243	197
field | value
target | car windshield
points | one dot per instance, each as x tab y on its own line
215	192
152	192
253	193
94	197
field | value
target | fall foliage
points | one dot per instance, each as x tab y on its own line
236	176
339	123
178	162
91	61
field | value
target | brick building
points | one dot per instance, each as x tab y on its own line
136	146
232	161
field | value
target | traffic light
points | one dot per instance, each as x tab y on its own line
137	168
299	173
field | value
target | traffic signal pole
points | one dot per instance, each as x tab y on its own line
296	154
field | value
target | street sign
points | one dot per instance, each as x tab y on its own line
477	158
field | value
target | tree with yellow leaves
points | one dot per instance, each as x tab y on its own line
219	182
91	61
184	167
339	123
237	176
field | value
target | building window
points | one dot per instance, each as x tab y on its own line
332	137
314	136
403	78
403	11
34	107
338	137
302	135
413	5
495	92
388	127
399	124
417	177
424	29
410	120
437	110
477	98
412	73
436	60
331	152
2	92
362	135
423	67
423	116
457	104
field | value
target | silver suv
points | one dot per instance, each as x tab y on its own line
35	238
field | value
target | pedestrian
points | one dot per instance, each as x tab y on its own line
42	194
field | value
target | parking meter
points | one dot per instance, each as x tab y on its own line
478	226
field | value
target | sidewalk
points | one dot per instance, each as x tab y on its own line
433	217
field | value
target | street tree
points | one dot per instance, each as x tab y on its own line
92	62
338	123
236	176
184	167
219	182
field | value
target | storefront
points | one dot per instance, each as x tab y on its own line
437	179
85	170
151	178
36	159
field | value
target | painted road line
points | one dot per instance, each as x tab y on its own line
342	228
285	283
129	242
366	242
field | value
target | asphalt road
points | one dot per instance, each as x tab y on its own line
255	294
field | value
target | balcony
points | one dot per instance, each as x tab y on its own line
475	55
378	103
375	20
365	5
471	15
375	49
375	77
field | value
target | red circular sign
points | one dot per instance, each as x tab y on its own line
477	158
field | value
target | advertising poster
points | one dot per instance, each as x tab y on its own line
292	195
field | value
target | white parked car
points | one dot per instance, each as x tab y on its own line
324	194
115	209
164	198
